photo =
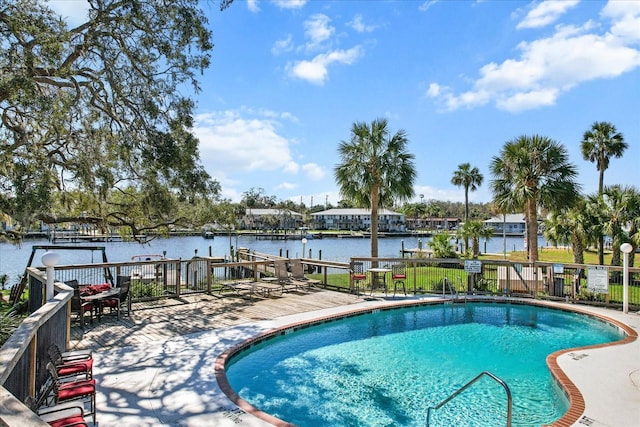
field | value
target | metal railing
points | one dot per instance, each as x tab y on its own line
469	384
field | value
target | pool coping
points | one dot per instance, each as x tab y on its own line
577	404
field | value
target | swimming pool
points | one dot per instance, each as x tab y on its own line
388	367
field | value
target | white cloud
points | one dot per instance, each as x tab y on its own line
286	186
242	141
626	16
315	71
252	5
284	45
290	4
431	193
528	100
549	66
359	25
426	5
546	12
434	90
317	29
313	171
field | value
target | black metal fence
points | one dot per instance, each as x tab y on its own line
580	283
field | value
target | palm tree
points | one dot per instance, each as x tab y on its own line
570	227
531	172
375	170
618	206
475	230
599	145
634	223
442	247
469	178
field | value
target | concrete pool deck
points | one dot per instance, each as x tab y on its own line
169	379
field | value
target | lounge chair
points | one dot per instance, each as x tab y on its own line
268	286
284	279
297	273
240	287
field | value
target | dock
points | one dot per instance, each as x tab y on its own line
416	252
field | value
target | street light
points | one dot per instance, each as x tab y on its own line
49	260
626	248
304	242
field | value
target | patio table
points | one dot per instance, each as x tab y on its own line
99	298
379	278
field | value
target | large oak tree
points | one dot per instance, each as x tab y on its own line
97	109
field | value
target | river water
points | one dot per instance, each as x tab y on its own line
13	259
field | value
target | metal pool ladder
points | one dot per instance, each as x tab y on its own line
467	385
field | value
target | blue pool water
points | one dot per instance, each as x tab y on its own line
386	368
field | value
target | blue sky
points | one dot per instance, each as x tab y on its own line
290	77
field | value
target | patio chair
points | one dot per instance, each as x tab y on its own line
297	273
65	415
69	356
121	300
72	283
399	275
69	391
358	275
81	308
70	367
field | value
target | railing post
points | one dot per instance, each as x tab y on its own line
209	274
415	277
179	277
32	364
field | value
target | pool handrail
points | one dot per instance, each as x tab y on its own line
447	283
467	385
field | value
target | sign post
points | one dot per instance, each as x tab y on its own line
472	266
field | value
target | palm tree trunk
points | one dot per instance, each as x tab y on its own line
466	215
578	250
601	236
375	193
532	229
601	249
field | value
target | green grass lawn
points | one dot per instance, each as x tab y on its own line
559	255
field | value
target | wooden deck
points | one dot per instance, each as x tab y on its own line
152	322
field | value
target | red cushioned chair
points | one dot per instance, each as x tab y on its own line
121	301
399	275
81	308
59	415
357	275
73	390
68	356
75	420
81	365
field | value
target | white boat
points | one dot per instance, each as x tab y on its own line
147	272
